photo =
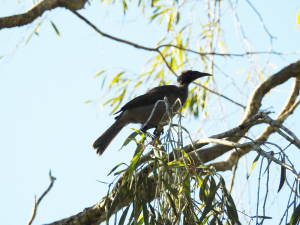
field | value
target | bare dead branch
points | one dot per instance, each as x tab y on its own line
36	203
38	10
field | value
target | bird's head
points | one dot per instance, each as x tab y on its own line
188	76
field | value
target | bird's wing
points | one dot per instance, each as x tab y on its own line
151	97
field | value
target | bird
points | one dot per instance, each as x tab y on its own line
139	109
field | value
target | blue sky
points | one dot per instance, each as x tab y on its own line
45	123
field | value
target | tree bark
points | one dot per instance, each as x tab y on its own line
38	10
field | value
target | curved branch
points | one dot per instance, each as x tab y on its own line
287	110
36	203
254	104
38	10
293	70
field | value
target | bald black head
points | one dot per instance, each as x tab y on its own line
188	76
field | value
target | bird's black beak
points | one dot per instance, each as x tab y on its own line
199	74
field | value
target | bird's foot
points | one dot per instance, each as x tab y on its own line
155	131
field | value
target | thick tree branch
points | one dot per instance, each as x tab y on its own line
254	104
38	10
257	95
287	110
97	214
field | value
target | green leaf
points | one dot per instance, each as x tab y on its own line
123	217
184	153
115	202
119	172
168	186
172	204
296	216
166	167
98	74
124	6
170	21
139	150
175	164
87	102
129	139
282	176
116	78
138	132
187	186
103	82
298	20
210	198
145	212
253	165
212	184
203	192
113	169
55	28
177	17
232	212
35	30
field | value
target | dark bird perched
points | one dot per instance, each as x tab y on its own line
139	109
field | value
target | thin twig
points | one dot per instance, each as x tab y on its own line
36	203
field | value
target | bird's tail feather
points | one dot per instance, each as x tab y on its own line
107	137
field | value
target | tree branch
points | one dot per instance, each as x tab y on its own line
38	10
287	110
36	203
227	54
254	104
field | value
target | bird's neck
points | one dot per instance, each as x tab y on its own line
183	86
183	91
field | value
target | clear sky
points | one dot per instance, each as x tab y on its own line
45	123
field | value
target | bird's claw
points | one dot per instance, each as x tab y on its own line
155	131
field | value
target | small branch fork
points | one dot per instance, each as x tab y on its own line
36	203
